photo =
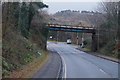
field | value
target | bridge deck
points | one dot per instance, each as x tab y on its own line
70	28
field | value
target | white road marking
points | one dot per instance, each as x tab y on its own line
58	72
114	62
102	71
65	68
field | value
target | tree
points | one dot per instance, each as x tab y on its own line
109	29
17	48
110	26
27	12
118	31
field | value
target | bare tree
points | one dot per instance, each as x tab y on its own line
109	29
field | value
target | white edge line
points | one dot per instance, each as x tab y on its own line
114	63
59	71
59	68
65	70
64	67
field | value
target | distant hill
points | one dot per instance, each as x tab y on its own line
69	17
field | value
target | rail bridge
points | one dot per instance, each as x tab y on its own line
71	28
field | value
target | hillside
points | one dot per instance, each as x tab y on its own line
24	35
77	18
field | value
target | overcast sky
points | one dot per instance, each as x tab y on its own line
59	6
80	0
71	0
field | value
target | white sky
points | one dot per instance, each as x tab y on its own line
60	0
89	5
59	6
80	0
71	0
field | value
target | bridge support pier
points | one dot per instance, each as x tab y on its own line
94	42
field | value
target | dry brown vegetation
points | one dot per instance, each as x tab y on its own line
19	47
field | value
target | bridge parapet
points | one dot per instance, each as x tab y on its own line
71	26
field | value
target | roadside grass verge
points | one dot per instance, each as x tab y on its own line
28	70
18	52
0	50
109	50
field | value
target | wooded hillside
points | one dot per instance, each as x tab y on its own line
69	17
24	33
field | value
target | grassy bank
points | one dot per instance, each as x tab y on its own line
24	36
0	50
19	52
104	52
28	70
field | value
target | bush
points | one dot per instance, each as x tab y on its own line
17	51
109	49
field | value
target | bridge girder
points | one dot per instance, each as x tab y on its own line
69	28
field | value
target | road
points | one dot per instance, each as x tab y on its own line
51	69
78	64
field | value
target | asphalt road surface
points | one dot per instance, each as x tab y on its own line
51	69
78	64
